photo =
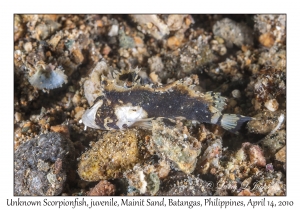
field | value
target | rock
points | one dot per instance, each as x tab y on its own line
267	39
253	153
152	24
182	149
63	129
173	42
246	192
125	41
108	158
281	155
145	179
180	184
273	142
18	116
155	64
79	112
37	162
264	122
103	188
45	29
256	155
236	93
272	28
233	32
272	105
210	157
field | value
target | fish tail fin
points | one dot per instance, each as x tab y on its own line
233	122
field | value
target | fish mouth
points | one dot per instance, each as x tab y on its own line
88	118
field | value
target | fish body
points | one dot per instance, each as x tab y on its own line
120	107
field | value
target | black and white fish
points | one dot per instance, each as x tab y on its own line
133	104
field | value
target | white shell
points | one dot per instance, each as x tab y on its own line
272	105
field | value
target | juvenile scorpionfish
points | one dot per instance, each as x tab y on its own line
135	105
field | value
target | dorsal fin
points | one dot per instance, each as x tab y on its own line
121	80
217	101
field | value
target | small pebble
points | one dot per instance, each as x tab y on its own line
271	105
27	46
99	23
42	122
236	93
138	41
114	30
281	155
149	25
267	39
154	77
106	50
223	50
164	172
173	42
232	103
103	188
78	56
60	129
18	116
27	127
76	99
231	176
79	112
